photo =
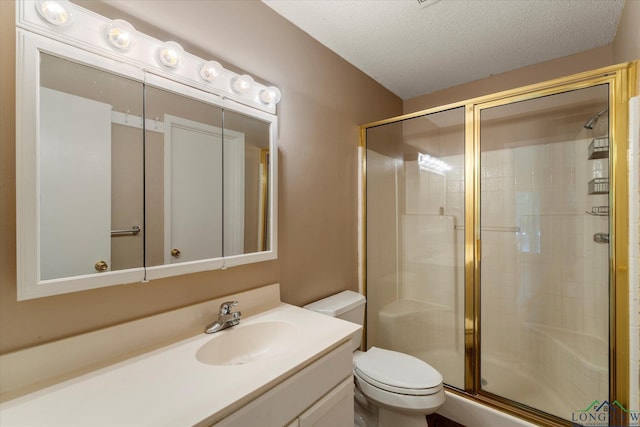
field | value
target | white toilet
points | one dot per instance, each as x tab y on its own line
392	389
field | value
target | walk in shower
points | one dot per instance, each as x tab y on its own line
490	244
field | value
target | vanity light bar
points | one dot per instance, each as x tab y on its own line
242	84
54	12
211	70
170	54
120	34
270	95
119	40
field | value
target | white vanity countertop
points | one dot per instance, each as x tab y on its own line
170	387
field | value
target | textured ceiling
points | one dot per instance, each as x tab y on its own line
413	49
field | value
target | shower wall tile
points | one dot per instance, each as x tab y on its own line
551	273
572	313
552	264
575	289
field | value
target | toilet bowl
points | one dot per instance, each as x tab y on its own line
393	389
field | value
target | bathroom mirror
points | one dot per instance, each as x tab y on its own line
79	186
246	215
207	173
184	177
90	179
250	196
126	176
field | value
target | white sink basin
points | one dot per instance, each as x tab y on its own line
247	343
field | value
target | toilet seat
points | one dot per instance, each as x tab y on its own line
398	373
398	381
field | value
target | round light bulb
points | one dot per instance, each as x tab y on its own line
54	12
211	70
270	95
120	34
170	54
241	84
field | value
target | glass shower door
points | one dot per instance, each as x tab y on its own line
544	272
415	239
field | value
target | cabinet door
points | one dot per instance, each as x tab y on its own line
335	409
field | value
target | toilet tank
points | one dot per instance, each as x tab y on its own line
346	305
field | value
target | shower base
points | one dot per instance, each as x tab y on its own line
502	378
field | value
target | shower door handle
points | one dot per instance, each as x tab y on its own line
601	238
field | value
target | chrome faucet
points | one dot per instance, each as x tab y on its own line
226	318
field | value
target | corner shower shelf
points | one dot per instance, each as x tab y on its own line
599	148
599	186
599	211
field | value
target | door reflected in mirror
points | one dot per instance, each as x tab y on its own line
90	170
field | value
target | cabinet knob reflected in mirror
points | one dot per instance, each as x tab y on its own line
175	253
101	266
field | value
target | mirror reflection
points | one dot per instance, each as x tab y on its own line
143	175
90	176
206	180
184	178
247	159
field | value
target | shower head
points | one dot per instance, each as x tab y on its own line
589	124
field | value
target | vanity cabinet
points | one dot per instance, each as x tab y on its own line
319	395
334	409
300	377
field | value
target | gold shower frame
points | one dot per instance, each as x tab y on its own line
623	84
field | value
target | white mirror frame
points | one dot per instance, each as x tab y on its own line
29	48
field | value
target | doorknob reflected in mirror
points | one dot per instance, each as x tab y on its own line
175	253
101	266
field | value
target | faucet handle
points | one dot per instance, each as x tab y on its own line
225	307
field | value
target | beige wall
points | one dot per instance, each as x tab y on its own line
324	101
626	45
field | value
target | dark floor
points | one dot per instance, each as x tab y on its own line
436	420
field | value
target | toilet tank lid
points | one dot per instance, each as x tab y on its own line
337	304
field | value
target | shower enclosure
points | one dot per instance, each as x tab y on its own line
492	232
